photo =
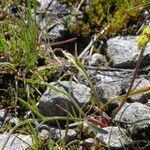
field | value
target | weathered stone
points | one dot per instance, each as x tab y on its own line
97	60
16	141
55	12
141	97
114	139
5	117
106	91
51	101
12	120
106	75
3	114
123	52
44	134
88	144
135	113
71	134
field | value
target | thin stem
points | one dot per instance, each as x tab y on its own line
131	84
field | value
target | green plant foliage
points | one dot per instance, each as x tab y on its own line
3	45
22	45
109	16
144	38
70	2
20	51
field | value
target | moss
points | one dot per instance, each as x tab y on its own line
144	38
111	16
70	2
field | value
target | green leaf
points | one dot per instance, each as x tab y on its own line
97	129
32	108
131	94
3	45
81	68
45	84
75	124
17	126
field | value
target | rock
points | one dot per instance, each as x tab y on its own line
106	91
123	52
148	103
136	113
51	100
44	134
114	139
3	115
56	134
16	141
12	120
97	60
52	14
136	118
138	84
88	144
71	134
106	75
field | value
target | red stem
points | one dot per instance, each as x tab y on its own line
63	42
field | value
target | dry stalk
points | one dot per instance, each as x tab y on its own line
131	84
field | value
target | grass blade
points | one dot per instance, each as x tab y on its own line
75	124
32	108
17	126
97	129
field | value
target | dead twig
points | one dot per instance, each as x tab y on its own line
86	50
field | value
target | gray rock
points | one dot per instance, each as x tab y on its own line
71	134
107	91
12	120
56	13
52	5
6	117
56	134
44	134
3	115
148	102
97	60
49	102
88	144
135	113
114	139
123	52
142	97
16	141
106	75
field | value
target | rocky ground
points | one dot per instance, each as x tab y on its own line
111	75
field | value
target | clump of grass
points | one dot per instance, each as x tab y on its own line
20	50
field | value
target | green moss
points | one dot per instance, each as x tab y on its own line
109	16
144	38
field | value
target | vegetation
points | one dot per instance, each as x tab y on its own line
26	68
114	17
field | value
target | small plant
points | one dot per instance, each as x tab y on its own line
21	51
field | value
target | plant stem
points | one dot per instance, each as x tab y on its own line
131	84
